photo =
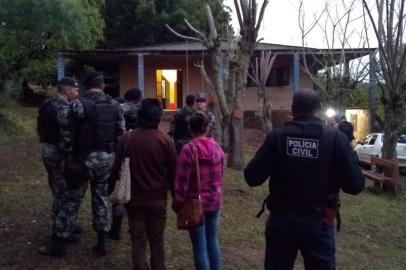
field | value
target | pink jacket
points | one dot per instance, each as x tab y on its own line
211	162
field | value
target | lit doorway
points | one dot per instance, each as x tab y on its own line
169	88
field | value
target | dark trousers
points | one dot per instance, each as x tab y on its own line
288	233
147	222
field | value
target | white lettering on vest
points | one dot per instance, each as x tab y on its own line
301	147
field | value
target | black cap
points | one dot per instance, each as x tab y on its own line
94	77
68	81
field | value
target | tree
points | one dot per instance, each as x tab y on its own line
261	71
32	31
132	23
230	70
389	24
337	70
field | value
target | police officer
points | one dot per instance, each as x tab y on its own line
307	163
130	109
179	128
201	106
51	127
346	127
97	121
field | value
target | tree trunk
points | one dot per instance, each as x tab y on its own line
237	85
267	117
392	131
264	111
236	149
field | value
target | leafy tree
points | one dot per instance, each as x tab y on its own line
132	23
32	31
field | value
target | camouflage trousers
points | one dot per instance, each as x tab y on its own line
53	159
98	165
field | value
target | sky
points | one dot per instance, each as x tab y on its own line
281	24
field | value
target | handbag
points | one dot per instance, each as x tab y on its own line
122	188
190	214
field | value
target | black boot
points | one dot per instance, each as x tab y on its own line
55	248
100	247
115	231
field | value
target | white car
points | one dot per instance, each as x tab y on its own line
372	145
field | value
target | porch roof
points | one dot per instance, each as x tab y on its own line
94	56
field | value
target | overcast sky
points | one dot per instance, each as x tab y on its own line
281	25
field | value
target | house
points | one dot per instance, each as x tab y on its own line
168	71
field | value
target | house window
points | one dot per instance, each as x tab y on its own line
278	77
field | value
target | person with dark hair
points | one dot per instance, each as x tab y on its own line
152	157
206	248
179	128
96	121
307	163
52	118
130	108
346	127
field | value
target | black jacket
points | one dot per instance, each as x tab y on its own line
295	179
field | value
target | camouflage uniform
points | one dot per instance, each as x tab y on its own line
97	163
212	123
130	110
53	155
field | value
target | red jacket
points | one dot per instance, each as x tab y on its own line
152	164
211	162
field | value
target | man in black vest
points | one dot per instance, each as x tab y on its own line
179	128
131	106
51	122
307	163
97	120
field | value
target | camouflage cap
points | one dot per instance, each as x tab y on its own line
201	96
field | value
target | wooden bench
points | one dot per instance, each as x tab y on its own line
383	172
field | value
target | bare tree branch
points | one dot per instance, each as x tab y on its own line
261	14
183	36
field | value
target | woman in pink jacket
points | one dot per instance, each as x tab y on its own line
206	248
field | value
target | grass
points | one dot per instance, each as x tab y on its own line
373	232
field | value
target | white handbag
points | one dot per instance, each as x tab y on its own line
122	188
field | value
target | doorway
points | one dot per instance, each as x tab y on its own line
169	88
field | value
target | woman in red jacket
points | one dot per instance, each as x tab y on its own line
206	249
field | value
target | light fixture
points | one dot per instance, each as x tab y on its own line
330	112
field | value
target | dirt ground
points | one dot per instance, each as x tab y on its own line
373	233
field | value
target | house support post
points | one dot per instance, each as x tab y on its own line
296	73
141	73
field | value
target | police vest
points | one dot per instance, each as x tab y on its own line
97	130
304	181
47	123
182	131
131	118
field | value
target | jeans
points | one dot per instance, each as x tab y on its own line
206	248
286	233
147	221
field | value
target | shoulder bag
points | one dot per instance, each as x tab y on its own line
190	214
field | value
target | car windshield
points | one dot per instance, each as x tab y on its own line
402	139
